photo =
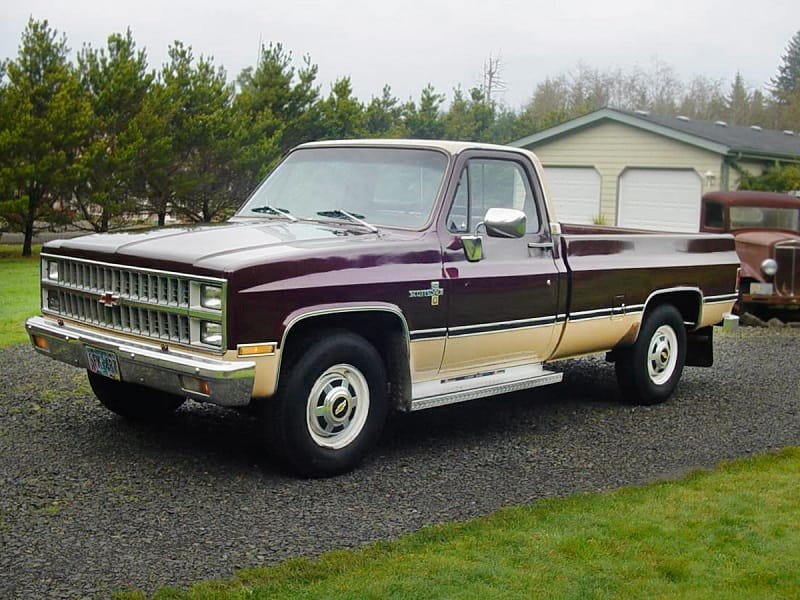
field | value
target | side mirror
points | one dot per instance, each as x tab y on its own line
505	222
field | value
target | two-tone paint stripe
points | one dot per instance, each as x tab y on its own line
585	315
720	298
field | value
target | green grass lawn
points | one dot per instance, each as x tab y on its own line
729	533
19	292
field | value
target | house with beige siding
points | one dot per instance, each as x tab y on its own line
634	169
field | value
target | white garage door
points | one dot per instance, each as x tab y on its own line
575	193
661	199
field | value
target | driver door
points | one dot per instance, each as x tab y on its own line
502	303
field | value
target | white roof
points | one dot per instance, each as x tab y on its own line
451	147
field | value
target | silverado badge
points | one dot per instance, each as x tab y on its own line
432	292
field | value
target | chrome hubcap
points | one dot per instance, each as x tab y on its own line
337	406
662	354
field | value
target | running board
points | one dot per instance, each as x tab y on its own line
430	394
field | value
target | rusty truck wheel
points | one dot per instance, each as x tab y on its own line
648	372
133	401
331	405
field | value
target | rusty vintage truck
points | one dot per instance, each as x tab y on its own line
363	277
766	227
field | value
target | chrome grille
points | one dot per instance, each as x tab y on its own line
139	285
787	279
153	323
143	302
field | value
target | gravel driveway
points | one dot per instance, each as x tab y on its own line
91	504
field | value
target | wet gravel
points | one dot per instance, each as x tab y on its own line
90	503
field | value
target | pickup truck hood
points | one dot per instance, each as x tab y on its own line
220	248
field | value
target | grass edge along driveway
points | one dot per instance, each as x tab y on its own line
19	292
733	532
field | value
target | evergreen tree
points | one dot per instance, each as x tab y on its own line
45	121
470	119
204	143
425	121
786	87
342	113
116	82
383	116
279	108
738	102
787	82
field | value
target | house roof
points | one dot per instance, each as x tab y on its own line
719	137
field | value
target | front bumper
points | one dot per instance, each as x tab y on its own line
177	371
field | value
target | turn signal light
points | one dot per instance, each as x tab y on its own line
41	342
193	384
256	349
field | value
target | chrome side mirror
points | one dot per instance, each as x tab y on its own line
505	222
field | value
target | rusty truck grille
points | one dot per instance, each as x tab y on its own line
787	280
148	303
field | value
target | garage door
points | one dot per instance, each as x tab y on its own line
661	199
575	193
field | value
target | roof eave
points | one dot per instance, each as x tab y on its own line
740	153
626	119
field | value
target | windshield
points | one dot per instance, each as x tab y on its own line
394	187
746	217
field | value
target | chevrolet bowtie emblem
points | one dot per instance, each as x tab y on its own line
108	299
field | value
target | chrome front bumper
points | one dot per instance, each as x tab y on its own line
177	371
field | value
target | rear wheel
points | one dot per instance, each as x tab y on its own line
331	405
648	372
131	400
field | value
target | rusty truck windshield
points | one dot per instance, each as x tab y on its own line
394	187
762	217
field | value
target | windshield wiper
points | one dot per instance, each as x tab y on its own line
339	213
273	210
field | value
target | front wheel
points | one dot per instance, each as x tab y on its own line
331	405
131	400
648	372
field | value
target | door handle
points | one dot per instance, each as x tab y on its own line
545	246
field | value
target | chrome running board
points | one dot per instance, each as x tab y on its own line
429	394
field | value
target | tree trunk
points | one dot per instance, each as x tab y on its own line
30	218
28	241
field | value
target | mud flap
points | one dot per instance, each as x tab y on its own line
700	347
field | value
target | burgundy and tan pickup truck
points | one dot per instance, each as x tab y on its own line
363	277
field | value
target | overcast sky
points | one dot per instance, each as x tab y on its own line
411	43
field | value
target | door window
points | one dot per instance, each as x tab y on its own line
489	183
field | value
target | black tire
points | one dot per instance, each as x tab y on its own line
331	405
131	400
648	372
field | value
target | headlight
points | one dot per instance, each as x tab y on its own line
52	270
211	297
53	301
769	267
211	333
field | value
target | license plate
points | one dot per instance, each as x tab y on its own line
102	362
761	289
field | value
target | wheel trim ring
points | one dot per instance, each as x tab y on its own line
337	406
662	354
